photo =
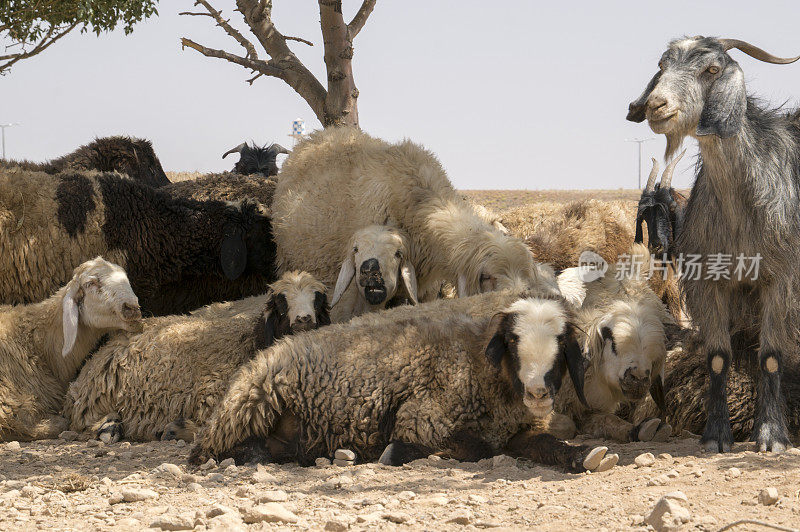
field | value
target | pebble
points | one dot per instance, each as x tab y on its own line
273	496
698	473
396	517
344	454
13	446
406	495
477	499
322	462
673	473
231	470
645	460
194	486
667	514
227	523
338	481
169	469
336	525
172	522
129	522
790	450
219	509
342	463
216	477
211	464
29	492
768	496
262	476
270	512
733	472
68	435
132	495
368	518
94	443
461	516
188	478
665	456
227	462
502	460
660	480
677	496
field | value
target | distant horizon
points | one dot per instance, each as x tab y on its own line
516	96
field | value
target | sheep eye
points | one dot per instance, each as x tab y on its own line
398	254
355	249
713	69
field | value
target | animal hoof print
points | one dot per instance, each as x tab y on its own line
607	463
595	458
110	432
648	429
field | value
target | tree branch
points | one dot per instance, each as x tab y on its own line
230	30
298	39
49	38
361	18
255	65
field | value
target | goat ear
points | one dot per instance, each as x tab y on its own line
725	105
346	274
233	252
70	316
575	362
462	285
409	276
496	349
636	109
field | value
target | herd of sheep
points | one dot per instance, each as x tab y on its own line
354	299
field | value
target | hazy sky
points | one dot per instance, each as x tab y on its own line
509	94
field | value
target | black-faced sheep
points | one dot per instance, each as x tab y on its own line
179	367
126	155
180	254
416	379
341	179
42	345
376	261
621	326
256	159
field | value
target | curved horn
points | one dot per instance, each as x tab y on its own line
651	179
237	149
277	148
756	52
666	178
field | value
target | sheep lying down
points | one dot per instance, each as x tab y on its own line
396	385
166	380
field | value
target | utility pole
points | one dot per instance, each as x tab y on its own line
3	127
640	142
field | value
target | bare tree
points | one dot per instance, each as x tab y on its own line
334	106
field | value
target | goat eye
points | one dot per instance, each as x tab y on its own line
713	69
661	65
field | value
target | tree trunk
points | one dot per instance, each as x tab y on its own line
341	101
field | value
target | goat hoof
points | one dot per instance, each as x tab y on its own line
595	458
770	437
607	463
717	437
714	446
648	429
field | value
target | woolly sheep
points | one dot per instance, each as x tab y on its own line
179	367
340	179
180	254
622	330
376	261
256	159
226	186
401	383
126	155
42	345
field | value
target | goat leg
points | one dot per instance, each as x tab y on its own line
769	429
717	436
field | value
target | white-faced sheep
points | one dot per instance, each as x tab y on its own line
376	261
178	368
126	155
409	381
341	179
42	345
621	324
255	159
180	254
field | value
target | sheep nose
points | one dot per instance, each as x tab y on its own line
131	312
538	393
304	319
370	266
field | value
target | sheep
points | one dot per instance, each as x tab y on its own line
621	326
256	159
42	346
226	186
126	155
401	383
743	204
166	380
402	185
180	254
377	259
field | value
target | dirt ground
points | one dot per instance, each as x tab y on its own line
77	485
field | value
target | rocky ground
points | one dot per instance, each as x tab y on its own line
78	485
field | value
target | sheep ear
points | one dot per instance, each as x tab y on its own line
572	287
575	363
725	105
322	308
346	274
409	276
462	285
636	109
233	253
657	387
70	316
496	349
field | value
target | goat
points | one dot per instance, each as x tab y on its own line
743	203
256	159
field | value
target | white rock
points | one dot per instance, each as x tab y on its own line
322	462
665	456
270	512
344	454
273	496
128	523
211	464
227	523
10	495
733	472
477	499
219	509
396	517
673	473
262	476
645	460
768	496
138	494
790	450
342	463
13	446
660	480
68	435
231	470
677	496
194	486
667	514
172	522
169	470
227	462
339	481
406	495
461	516
29	491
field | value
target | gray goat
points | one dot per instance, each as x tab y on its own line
744	202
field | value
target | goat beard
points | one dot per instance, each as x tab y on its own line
674	142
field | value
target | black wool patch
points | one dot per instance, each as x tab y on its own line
75	198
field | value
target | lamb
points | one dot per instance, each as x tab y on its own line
621	324
256	159
42	346
226	186
165	381
402	185
401	383
180	254
126	155
377	258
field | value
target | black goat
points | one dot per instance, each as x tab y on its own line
256	159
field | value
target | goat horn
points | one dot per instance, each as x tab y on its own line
756	52
651	179
277	148
666	178
237	149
